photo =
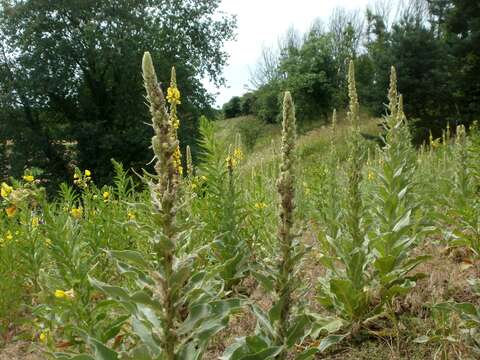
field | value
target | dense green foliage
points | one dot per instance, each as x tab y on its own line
70	88
433	44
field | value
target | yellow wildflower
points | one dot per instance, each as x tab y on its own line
173	95
88	173
28	178
11	211
5	190
9	235
60	294
76	213
238	154
370	175
260	205
106	195
177	158
48	242
43	337
35	222
131	216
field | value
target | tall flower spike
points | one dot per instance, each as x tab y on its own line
163	143
164	198
286	189
393	93
354	108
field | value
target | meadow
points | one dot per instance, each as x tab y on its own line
281	243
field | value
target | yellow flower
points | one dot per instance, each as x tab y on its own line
76	213
5	190
11	211
35	222
43	337
76	176
48	242
203	177
106	195
8	235
60	294
260	205
131	216
88	173
370	175
173	95
177	158
238	154
28	178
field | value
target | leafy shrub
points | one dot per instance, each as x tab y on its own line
267	103
232	108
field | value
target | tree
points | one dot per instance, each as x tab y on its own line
421	61
311	75
232	108
72	68
463	38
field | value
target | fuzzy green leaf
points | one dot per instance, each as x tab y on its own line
330	341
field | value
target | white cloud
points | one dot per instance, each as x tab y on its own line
260	23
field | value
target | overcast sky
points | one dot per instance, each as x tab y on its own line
260	23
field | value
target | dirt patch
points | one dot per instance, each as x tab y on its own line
21	350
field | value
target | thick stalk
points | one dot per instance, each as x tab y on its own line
286	191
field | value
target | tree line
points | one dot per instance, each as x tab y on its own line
434	44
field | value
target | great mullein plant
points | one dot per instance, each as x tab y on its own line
220	208
395	226
279	329
174	309
345	290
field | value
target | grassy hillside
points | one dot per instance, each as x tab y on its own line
313	140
